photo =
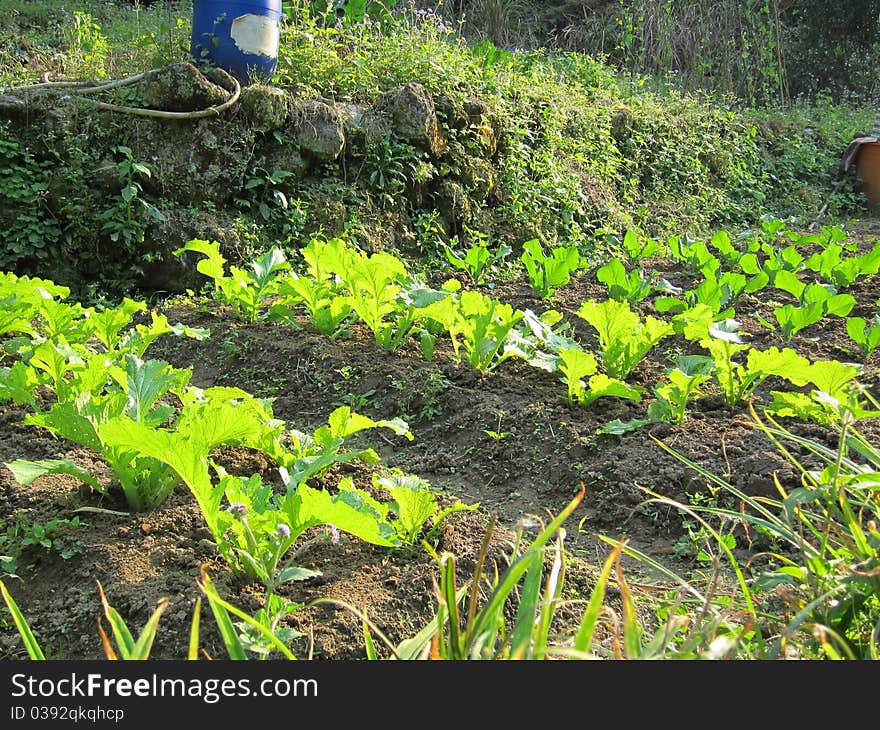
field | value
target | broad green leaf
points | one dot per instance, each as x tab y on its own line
832	376
350	510
785	363
18	383
65	420
601	386
147	381
26	472
413	503
295	572
268	265
214	265
187	457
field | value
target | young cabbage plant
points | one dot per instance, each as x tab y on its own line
478	326
386	299
721	242
624	339
717	294
245	291
81	418
764	271
537	339
478	260
373	284
670	398
412	299
575	365
319	290
866	334
737	380
631	287
842	271
682	387
259	527
186	450
548	273
815	301
638	246
21	298
329	310
310	456
695	255
835	399
414	505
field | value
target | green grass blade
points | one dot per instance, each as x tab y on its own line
417	646
552	595
632	632
144	644
495	605
478	569
528	608
193	653
30	642
230	638
449	593
584	637
368	641
124	640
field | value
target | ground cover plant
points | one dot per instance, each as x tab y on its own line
604	392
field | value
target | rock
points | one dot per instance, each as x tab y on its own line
275	157
477	177
222	78
452	112
193	161
361	125
13	107
453	203
622	125
170	273
482	117
264	108
318	129
414	119
180	87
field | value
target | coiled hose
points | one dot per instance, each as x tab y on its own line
87	87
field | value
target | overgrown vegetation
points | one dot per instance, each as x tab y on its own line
537	144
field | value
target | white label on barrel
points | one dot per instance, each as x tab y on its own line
255	35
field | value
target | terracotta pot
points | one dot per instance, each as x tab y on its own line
868	170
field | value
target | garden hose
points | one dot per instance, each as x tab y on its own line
88	87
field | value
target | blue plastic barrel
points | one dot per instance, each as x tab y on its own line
240	37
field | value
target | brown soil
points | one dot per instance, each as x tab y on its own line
549	449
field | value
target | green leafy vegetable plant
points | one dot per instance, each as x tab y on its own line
842	271
737	380
478	326
624	339
477	260
671	398
245	291
575	365
815	301
866	334
629	287
548	273
414	505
